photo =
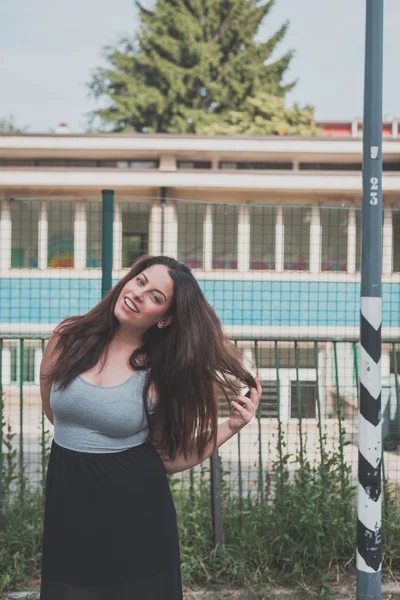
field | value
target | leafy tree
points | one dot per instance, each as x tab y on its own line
266	115
7	125
191	62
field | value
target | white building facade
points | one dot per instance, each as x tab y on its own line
271	228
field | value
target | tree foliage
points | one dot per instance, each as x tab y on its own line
7	125
190	64
265	115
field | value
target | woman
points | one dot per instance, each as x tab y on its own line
131	388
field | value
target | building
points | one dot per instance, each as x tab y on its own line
270	226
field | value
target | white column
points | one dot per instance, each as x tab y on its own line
43	234
279	240
38	360
321	374
315	240
387	249
6	365
208	238
5	235
80	235
284	393
385	361
171	229
117	237
167	162
244	238
155	229
351	241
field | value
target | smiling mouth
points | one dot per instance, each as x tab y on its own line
131	305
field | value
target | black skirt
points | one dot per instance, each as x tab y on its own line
110	528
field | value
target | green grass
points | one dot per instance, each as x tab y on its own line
303	529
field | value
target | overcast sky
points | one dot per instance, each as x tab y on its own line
49	48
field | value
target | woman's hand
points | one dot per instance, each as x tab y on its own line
245	409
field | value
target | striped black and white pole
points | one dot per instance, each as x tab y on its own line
369	551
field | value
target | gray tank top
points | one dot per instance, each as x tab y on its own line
91	418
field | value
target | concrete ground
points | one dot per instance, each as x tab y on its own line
345	590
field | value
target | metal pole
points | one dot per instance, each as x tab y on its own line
216	508
107	240
369	505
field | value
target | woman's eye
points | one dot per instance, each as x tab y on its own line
154	295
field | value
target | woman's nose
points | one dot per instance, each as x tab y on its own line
137	294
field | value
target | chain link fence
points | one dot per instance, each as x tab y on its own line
284	280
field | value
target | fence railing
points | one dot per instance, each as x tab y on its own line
283	279
308	410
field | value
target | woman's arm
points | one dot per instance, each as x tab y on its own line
224	433
45	384
242	414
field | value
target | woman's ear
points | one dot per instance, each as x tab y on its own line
165	322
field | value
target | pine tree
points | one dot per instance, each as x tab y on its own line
191	62
265	114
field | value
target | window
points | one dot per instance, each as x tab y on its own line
394	362
391	166
190	234
94	234
262	237
268	401
297	238
303	399
225	232
321	166
334	239
28	364
143	164
396	240
18	162
358	240
61	215
80	163
135	231
24	236
286	357
59	162
256	165
194	164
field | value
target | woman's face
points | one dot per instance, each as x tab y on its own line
145	299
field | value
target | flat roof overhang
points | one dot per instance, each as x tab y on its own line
293	181
110	146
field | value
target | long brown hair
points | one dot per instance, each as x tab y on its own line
188	362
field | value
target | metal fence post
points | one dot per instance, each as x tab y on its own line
107	240
369	504
216	506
